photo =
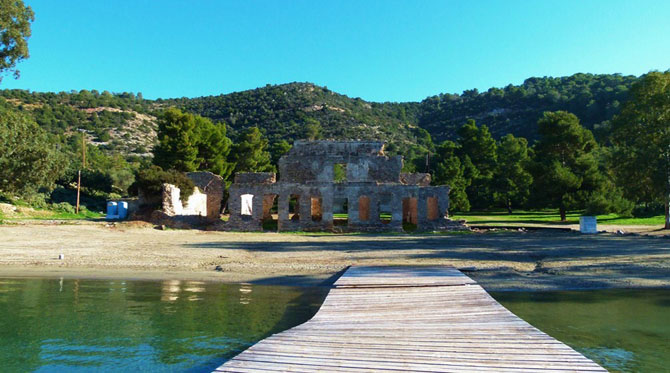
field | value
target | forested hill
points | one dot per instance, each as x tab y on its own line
286	111
516	109
125	122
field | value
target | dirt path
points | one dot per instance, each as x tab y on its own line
502	261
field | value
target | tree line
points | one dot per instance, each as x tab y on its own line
628	171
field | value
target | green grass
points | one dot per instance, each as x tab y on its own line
550	217
40	214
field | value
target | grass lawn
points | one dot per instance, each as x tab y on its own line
38	214
501	217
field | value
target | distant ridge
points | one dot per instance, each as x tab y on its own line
127	125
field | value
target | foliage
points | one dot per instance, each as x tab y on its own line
515	109
449	171
150	180
177	141
15	19
641	136
477	150
213	148
312	129
565	170
512	180
29	160
190	142
277	150
250	152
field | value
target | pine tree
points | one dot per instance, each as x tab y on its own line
641	135
512	180
177	146
250	152
566	171
449	171
213	148
477	152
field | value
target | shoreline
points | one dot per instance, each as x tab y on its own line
494	281
502	261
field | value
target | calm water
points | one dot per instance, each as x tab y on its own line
93	325
622	330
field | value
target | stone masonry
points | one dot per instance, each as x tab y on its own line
320	177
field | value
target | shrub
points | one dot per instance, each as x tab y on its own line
151	181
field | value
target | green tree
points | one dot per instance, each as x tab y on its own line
312	129
29	160
565	170
177	141
641	136
213	148
477	151
15	19
449	171
250	152
278	149
512	180
150	181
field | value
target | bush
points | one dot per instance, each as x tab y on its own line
646	210
151	181
63	207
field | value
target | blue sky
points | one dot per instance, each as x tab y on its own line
377	50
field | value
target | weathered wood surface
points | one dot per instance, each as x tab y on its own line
410	319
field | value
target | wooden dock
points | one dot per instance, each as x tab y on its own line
410	319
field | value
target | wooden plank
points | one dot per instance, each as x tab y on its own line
410	319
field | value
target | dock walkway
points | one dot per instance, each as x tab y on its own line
410	319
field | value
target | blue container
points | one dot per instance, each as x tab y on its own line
122	209
112	210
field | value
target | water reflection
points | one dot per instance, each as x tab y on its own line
61	324
622	330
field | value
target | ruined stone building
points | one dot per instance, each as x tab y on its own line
338	185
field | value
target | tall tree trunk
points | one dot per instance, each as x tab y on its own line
561	210
509	206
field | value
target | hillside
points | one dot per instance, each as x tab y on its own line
283	111
516	109
125	123
115	123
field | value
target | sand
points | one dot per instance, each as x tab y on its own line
533	260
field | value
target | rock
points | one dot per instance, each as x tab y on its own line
7	208
218	269
620	232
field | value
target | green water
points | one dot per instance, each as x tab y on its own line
622	330
92	325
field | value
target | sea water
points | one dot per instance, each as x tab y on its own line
49	325
622	330
173	326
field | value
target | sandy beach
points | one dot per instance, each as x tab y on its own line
508	260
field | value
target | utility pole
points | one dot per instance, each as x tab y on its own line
83	164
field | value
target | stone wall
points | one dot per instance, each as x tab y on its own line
378	197
172	204
213	187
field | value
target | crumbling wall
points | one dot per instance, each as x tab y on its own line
314	162
420	179
172	205
213	187
378	197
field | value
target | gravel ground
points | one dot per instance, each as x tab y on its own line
507	260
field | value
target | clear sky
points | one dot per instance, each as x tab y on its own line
377	50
